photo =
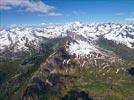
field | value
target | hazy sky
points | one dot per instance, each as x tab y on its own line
23	12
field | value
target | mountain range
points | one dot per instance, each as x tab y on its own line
73	61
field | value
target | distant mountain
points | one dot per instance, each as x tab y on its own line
18	38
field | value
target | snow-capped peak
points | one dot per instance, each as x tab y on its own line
84	34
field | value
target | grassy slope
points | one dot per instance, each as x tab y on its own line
99	86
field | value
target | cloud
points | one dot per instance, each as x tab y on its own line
119	14
43	24
51	14
12	25
75	13
5	7
54	14
129	19
29	6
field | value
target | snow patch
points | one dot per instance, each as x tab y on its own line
81	48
